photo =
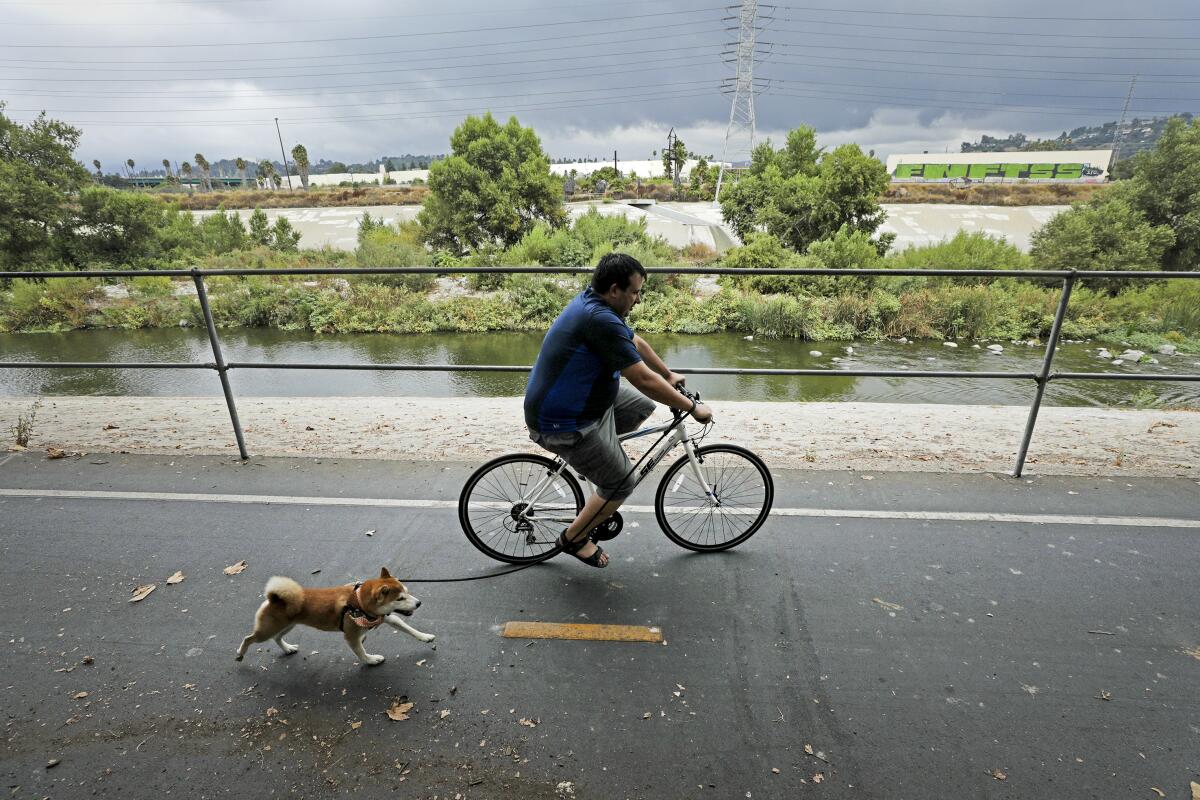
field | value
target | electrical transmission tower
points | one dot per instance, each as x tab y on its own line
1119	133
739	136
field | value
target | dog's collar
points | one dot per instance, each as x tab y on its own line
361	617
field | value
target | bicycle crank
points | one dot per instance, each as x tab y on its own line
609	529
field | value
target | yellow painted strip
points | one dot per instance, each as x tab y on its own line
568	630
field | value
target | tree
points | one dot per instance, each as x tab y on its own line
185	169
300	155
205	172
99	172
129	164
260	228
266	171
493	188
38	175
337	168
166	162
241	165
1165	188
801	194
674	158
1109	233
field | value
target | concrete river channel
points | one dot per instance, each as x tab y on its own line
681	351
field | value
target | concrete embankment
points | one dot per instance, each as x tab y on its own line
860	436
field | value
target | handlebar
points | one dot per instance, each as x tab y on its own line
693	396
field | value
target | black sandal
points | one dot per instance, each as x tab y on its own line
574	547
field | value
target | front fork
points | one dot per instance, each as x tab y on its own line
694	461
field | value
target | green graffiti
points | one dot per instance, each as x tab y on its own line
983	172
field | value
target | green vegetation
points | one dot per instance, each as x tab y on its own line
798	207
492	189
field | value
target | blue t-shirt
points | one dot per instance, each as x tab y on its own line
578	371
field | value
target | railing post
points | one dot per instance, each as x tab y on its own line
222	369
1044	376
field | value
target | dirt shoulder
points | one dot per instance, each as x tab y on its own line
859	436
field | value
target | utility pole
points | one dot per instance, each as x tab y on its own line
283	153
1119	133
615	161
739	136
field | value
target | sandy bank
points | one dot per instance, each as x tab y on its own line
862	436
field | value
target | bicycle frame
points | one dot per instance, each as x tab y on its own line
678	436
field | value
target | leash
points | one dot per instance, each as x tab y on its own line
679	416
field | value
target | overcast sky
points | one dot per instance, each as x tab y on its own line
357	79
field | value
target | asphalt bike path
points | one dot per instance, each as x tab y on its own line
917	656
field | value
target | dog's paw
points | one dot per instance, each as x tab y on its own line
373	660
289	649
426	637
238	657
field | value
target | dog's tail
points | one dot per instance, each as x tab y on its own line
285	593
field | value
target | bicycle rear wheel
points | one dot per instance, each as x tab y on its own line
493	507
743	490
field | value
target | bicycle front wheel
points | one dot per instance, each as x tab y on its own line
742	495
502	518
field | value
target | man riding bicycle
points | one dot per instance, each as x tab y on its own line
576	405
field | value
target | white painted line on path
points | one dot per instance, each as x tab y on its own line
288	500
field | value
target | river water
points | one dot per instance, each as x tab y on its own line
711	350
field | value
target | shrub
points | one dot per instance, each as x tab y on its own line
57	304
385	247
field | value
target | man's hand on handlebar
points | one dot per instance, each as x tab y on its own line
701	413
677	380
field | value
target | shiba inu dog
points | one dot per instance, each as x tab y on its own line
354	609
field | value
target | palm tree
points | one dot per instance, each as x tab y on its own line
300	154
185	169
205	173
265	171
167	168
241	168
129	163
96	164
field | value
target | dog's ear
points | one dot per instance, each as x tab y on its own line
383	573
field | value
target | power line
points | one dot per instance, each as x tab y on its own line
807	46
490	29
407	68
927	29
987	16
540	40
773	81
372	104
990	71
842	97
247	22
826	34
557	74
419	116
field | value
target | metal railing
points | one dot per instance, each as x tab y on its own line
1041	378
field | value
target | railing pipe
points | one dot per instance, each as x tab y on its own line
221	367
1043	377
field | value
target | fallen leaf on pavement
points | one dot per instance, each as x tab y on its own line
176	578
371	532
998	775
818	777
111	427
399	711
234	569
271	712
54	452
443	714
528	723
1195	791
808	749
887	605
79	695
141	592
355	726
54	762
1104	695
1158	791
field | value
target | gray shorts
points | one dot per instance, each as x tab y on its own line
595	452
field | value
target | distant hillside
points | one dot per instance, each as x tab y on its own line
1140	134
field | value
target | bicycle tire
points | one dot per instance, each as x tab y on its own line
493	529
684	529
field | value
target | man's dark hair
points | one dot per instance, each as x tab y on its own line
615	268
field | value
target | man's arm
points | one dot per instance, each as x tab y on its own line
656	387
655	363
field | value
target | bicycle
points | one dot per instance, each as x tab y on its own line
713	498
